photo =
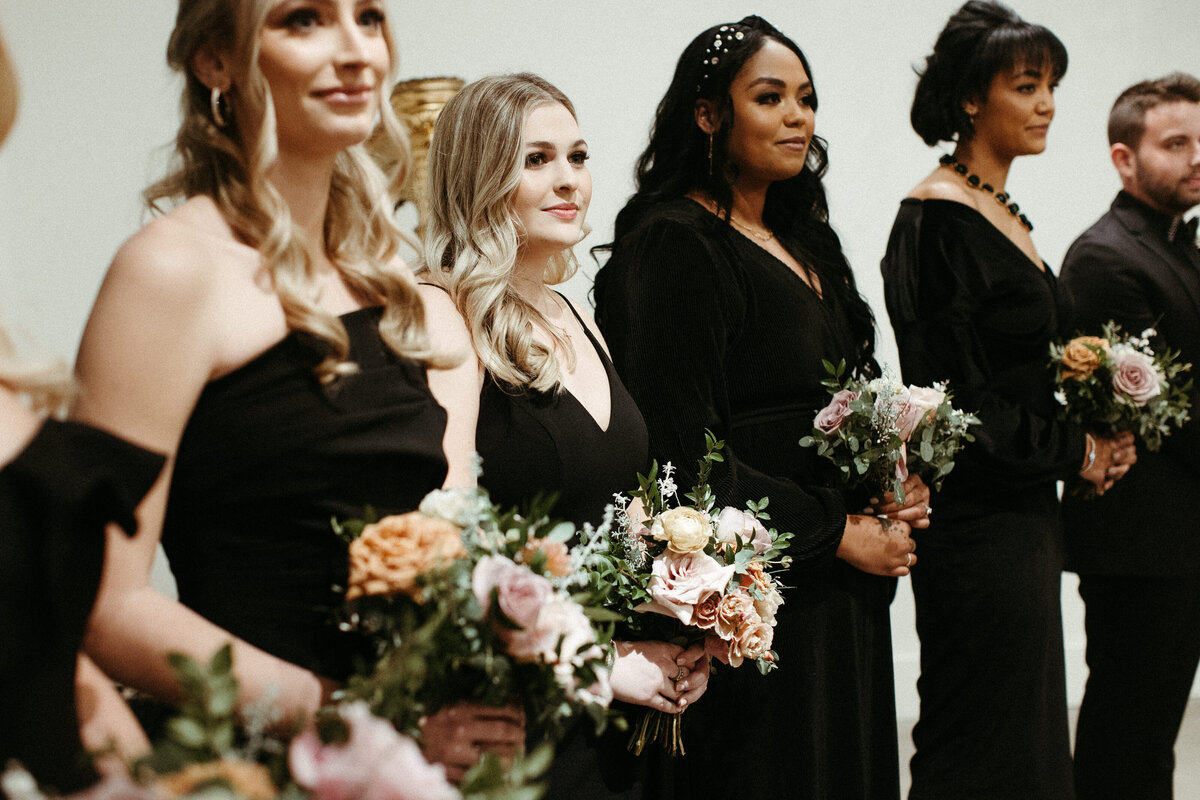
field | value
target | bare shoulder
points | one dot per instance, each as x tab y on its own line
939	187
170	259
17	425
448	331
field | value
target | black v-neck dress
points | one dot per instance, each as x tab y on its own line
709	330
534	442
969	307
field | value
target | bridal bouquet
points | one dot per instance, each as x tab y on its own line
463	602
878	431
1116	382
691	573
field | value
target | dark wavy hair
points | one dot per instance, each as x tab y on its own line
676	162
980	40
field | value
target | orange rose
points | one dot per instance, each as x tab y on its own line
391	553
734	611
1081	356
558	556
245	778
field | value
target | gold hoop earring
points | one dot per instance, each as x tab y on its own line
214	104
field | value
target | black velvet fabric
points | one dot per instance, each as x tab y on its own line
709	330
268	458
56	499
969	307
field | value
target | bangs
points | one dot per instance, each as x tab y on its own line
1026	46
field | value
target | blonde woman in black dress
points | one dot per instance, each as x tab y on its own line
538	397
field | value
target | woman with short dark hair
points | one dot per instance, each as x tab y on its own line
972	303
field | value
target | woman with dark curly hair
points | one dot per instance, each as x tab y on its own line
726	289
972	303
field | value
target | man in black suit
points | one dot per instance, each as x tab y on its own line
1137	548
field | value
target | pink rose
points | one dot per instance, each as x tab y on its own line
559	634
1134	375
375	763
733	524
902	463
918	403
521	593
681	580
831	417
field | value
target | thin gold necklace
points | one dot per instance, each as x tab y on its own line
762	237
554	301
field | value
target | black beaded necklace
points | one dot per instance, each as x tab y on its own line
1001	197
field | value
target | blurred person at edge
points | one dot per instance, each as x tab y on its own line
1137	556
62	484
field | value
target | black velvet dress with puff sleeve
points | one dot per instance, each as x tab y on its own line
57	497
708	330
969	307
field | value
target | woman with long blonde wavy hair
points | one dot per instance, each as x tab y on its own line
537	397
61	486
264	334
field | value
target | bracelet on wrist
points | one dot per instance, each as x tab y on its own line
1090	458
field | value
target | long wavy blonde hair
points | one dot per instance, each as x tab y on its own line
230	165
473	237
47	384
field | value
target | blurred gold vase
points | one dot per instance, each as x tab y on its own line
417	103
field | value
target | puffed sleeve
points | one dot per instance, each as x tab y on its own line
669	305
969	313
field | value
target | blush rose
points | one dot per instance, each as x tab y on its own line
830	418
1134	375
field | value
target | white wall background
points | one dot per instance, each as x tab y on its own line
99	108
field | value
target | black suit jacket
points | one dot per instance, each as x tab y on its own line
1124	268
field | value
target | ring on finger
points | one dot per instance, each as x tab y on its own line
908	562
928	510
681	674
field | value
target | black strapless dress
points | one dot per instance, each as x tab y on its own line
268	459
533	442
56	499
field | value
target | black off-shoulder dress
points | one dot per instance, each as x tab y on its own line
969	307
268	458
56	499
